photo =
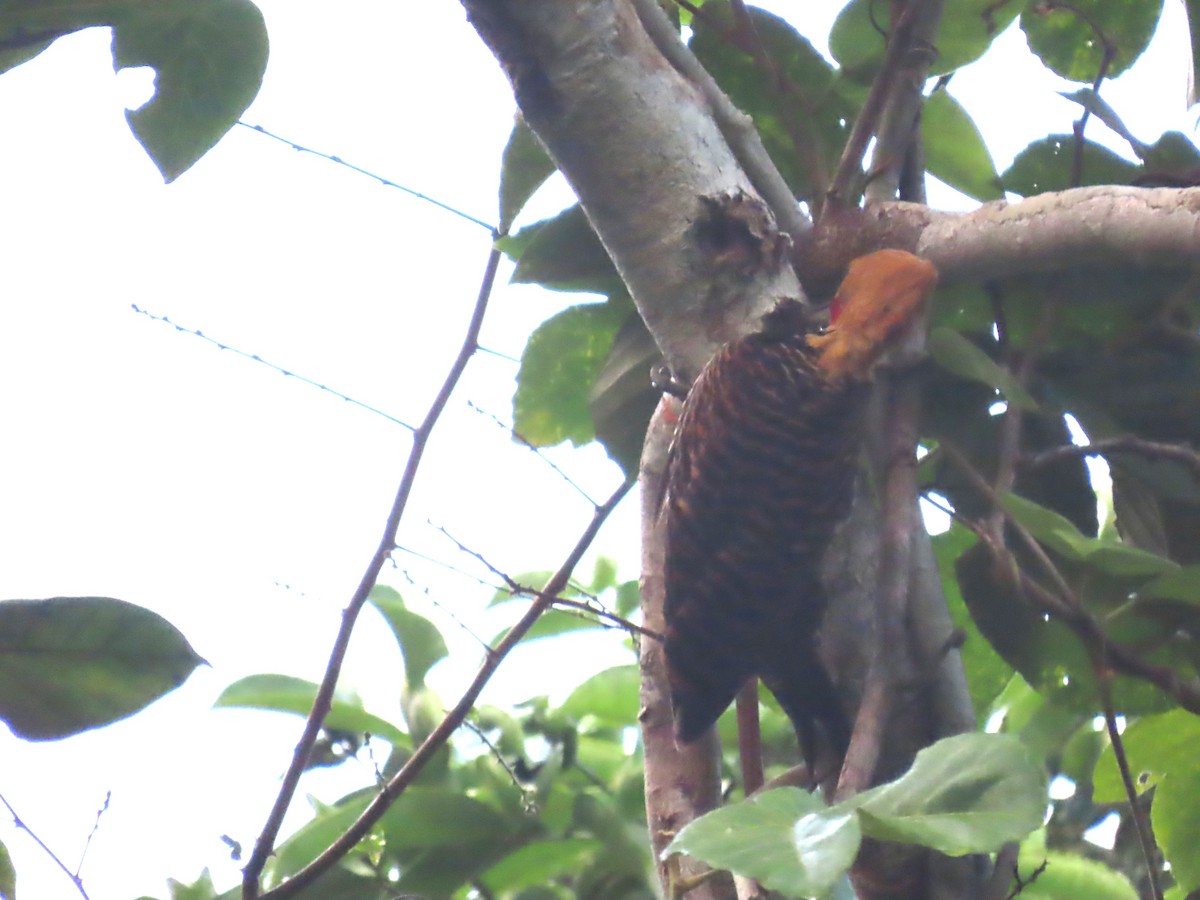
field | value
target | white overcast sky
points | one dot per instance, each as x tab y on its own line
145	464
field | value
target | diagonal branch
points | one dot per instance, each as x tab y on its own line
265	843
454	718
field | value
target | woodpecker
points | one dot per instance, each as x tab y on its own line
760	474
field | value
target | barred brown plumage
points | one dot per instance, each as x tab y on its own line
760	474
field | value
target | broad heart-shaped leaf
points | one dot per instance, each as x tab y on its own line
971	793
954	149
1045	165
1067	41
419	639
956	354
966	29
558	369
1162	754
284	693
524	167
68	664
209	55
784	838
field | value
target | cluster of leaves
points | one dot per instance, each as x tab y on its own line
541	803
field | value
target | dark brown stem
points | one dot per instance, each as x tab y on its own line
1145	835
265	843
749	737
439	736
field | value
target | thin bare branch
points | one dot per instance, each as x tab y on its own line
265	843
20	823
1177	453
454	718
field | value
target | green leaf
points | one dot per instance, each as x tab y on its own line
419	639
284	693
955	151
554	622
557	371
524	167
562	253
68	664
539	862
987	672
971	793
784	838
797	110
1070	39
209	56
1097	106
1045	165
610	696
8	875
965	31
622	398
1162	754
1181	584
1062	537
1062	875
201	889
956	354
311	839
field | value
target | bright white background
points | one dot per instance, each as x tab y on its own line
145	464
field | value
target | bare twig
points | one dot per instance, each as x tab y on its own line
1177	453
735	125
91	834
749	737
20	823
1145	835
265	842
384	181
454	718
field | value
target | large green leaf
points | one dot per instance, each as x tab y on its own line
987	672
285	693
558	369
8	875
1045	165
1069	38
610	696
539	862
785	838
971	793
802	119
1162	754
965	31
419	639
68	664
209	56
1066	875
562	253
955	151
524	167
956	354
622	398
